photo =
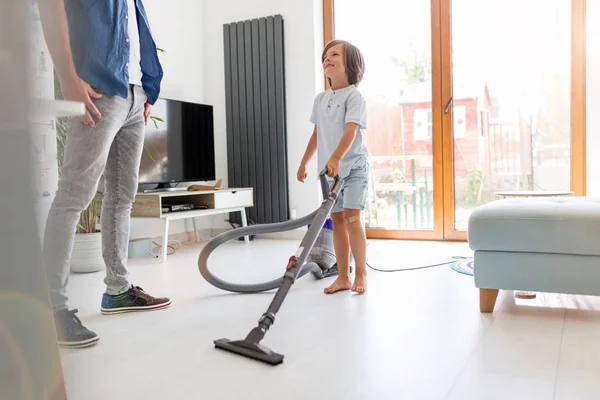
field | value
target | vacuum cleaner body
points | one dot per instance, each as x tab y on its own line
323	253
298	266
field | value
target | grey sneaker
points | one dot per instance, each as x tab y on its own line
70	331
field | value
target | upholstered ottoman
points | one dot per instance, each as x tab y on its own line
548	244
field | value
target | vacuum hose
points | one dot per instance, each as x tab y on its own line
260	229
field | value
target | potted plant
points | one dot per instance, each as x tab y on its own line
87	247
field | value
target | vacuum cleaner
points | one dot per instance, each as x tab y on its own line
323	253
298	266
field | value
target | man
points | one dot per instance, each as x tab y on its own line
105	57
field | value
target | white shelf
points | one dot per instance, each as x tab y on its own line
185	192
49	109
173	215
220	201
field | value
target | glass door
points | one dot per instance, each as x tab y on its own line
400	88
508	125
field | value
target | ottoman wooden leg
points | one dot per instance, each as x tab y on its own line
487	300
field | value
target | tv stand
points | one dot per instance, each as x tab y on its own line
208	202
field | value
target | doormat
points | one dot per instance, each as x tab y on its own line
464	266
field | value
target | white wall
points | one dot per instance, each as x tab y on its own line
303	40
191	31
177	28
593	98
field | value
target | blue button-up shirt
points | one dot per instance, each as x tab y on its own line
100	47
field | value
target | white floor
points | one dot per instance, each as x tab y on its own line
414	335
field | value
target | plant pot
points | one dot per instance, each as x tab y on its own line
87	253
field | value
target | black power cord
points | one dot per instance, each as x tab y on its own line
168	247
417	268
235	225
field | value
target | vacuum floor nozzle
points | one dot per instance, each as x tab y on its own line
250	350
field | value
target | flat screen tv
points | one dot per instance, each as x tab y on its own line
178	145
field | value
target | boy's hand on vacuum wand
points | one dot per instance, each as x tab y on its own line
301	174
333	166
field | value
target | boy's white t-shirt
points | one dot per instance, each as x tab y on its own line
332	110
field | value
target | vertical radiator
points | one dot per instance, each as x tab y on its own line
255	109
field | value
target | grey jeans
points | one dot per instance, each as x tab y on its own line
112	148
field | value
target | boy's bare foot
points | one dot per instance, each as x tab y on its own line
360	284
339	284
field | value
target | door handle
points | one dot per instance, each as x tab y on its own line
447	108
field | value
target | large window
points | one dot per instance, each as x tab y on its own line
466	98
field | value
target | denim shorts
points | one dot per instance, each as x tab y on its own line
356	186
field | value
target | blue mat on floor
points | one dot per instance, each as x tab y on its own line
464	266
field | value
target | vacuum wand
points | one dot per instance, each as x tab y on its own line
250	347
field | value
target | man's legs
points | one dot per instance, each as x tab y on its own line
120	187
84	161
121	182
